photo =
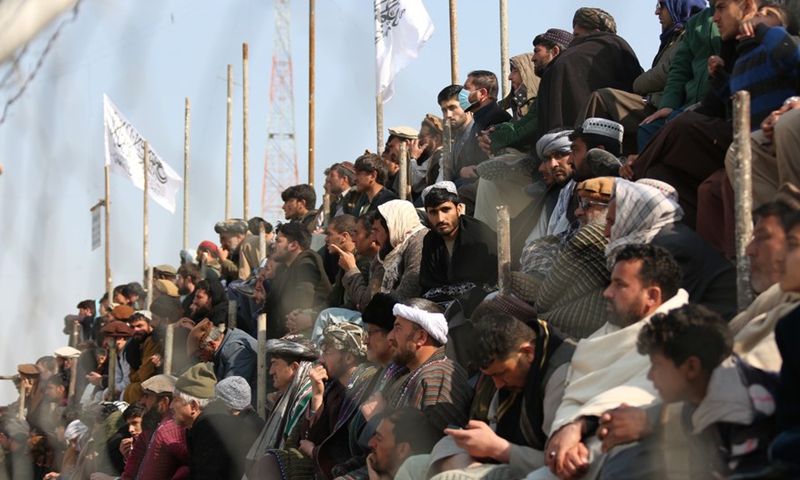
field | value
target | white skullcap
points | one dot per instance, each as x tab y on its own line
433	323
67	352
604	128
445	185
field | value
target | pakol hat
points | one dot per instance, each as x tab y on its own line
597	189
408	133
67	352
199	381
122	312
167	288
117	329
159	384
167	269
29	370
198	335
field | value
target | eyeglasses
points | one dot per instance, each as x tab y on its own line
585	204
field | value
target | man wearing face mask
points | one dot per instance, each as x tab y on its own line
479	96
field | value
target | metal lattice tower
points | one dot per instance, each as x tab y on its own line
280	161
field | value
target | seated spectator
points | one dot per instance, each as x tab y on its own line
250	251
460	124
244	423
187	279
300	281
214	266
341	237
371	177
399	235
607	371
14	436
391	155
641	213
232	233
340	184
691	362
597	58
291	359
298	205
210	301
631	108
400	434
148	345
339	385
425	154
528	364
231	351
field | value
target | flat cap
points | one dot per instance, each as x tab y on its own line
167	269
122	312
197	335
117	329
67	352
232	225
167	288
409	133
199	381
29	370
160	384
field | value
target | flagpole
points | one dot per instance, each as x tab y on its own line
229	140
312	33
107	204
186	124
245	127
504	65
379	113
148	275
453	42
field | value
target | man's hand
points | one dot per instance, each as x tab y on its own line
307	448
576	463
626	171
416	149
469	172
622	425
297	321
94	378
373	475
54	475
125	447
484	142
662	112
561	443
318	376
768	125
156	360
347	260
223	254
480	441
715	65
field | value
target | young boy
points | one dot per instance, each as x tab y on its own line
728	412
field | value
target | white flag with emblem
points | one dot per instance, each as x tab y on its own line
124	149
401	29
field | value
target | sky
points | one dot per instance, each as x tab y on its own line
148	56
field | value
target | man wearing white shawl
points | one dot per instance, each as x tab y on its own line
606	369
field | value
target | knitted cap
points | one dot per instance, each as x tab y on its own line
234	392
199	381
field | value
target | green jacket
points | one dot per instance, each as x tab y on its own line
688	74
520	134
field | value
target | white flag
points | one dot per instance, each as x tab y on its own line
125	155
401	29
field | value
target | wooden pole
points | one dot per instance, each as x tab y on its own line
312	33
743	194
261	394
447	154
245	127
112	369
21	411
262	242
231	314
403	172
148	274
109	279
168	345
379	116
229	144
75	335
505	66
503	249
73	379
453	42
186	124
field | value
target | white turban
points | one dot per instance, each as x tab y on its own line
433	323
75	429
